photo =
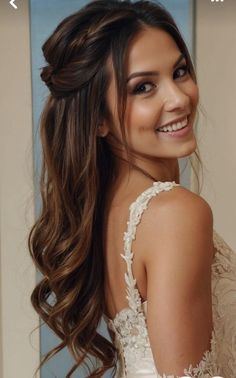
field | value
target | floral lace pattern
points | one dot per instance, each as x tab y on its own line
129	325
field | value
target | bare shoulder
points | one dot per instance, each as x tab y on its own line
178	218
180	199
178	257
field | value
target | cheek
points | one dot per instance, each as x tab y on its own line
142	114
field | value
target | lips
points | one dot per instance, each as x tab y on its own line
177	134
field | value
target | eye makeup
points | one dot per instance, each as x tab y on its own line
146	85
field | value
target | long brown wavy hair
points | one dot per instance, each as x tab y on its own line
66	242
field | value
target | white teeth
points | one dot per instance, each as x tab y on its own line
174	126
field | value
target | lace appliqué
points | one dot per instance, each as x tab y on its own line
136	210
207	368
221	359
130	326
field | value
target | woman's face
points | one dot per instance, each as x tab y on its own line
160	91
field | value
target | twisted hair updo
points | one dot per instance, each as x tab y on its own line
67	240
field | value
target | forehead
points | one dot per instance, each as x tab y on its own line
151	48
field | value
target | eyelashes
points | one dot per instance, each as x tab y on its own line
183	67
140	88
147	86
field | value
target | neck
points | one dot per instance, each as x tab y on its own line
161	170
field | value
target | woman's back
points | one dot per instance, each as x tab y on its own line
134	314
116	224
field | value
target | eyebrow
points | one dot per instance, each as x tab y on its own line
153	73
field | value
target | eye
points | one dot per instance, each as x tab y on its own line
184	69
144	87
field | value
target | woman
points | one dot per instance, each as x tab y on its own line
121	110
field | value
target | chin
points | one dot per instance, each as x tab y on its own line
188	149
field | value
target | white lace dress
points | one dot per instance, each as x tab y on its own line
129	325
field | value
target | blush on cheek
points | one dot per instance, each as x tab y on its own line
143	129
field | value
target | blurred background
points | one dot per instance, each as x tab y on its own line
209	29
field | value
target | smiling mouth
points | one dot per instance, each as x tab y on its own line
174	127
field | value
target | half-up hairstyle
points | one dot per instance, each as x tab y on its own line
66	242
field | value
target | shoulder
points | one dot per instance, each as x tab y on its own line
178	208
178	257
178	225
179	199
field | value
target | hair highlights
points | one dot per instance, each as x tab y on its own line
66	242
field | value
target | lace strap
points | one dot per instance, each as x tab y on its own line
136	210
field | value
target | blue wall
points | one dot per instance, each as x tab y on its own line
44	16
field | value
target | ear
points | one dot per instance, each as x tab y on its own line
102	130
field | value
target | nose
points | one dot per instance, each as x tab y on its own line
174	98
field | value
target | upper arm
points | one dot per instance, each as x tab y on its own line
178	264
